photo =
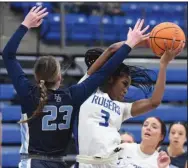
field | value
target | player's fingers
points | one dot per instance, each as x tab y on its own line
43	15
179	48
146	36
141	24
33	8
37	9
165	44
41	11
173	41
130	29
145	29
40	22
137	24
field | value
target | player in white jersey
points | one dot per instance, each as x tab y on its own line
145	154
103	112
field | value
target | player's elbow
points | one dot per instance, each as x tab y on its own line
155	103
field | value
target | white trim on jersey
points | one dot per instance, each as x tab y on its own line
24	135
26	163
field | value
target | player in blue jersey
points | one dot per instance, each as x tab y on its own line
47	111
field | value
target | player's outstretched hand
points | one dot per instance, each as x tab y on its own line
170	54
35	17
163	160
137	35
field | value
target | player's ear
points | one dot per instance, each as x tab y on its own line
111	80
59	78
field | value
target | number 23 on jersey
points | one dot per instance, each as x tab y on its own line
66	119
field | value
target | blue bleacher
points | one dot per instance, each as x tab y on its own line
172	93
10	156
166	113
11	134
77	25
6	91
11	113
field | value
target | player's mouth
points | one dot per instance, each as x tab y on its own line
147	134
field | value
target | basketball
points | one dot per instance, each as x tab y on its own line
165	31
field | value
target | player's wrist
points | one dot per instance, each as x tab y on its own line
130	43
26	24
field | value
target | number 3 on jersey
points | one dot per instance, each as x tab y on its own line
46	126
106	117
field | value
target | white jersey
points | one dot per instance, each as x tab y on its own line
100	119
133	157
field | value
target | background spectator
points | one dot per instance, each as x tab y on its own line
175	149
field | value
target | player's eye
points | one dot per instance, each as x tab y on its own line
125	84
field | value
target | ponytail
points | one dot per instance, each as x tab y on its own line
42	101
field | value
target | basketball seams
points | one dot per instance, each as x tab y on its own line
164	29
156	41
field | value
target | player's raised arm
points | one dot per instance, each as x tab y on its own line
83	90
146	105
103	58
15	72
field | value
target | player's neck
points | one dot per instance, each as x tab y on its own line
174	151
147	148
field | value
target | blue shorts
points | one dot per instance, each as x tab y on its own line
36	163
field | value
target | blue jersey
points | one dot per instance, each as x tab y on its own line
178	161
50	132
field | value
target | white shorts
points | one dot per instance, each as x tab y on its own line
90	162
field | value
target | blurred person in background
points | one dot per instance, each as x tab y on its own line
145	154
175	149
113	9
127	137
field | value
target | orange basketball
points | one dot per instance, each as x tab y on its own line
168	31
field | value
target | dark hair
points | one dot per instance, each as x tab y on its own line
140	77
91	56
181	123
46	71
163	130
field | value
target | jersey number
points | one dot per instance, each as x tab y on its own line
106	117
47	119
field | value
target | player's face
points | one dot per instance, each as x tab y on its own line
151	131
126	138
119	87
177	135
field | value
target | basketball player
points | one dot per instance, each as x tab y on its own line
47	111
103	112
145	154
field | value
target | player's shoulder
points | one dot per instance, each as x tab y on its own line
129	146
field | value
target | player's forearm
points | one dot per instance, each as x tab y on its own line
100	61
105	57
10	49
13	67
158	92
